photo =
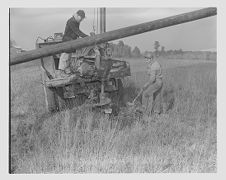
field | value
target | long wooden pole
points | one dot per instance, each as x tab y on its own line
112	35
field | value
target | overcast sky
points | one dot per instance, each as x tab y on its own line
26	24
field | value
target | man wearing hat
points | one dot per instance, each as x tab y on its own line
71	32
151	97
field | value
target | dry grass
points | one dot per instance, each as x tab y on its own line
81	141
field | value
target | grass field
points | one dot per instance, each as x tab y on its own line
80	141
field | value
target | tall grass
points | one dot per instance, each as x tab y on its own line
82	141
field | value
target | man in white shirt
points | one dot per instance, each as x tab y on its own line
151	97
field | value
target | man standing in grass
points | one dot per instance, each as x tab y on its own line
151	97
71	32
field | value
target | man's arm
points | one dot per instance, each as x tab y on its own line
151	80
76	30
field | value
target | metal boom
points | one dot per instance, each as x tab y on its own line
112	35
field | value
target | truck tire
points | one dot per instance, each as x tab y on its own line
117	98
121	100
68	103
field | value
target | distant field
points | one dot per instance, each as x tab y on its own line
140	64
79	141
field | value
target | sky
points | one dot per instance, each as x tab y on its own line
26	24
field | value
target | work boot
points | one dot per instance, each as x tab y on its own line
67	70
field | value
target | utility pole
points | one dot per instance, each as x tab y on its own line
102	20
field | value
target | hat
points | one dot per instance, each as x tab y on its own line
81	13
149	55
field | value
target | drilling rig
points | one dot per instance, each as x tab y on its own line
95	79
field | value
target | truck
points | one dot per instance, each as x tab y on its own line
95	78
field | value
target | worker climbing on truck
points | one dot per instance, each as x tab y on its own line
71	32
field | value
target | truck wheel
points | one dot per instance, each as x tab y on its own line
75	102
69	103
61	102
50	95
117	98
121	100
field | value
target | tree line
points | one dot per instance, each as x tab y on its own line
160	52
123	50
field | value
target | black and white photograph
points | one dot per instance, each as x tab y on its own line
112	90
